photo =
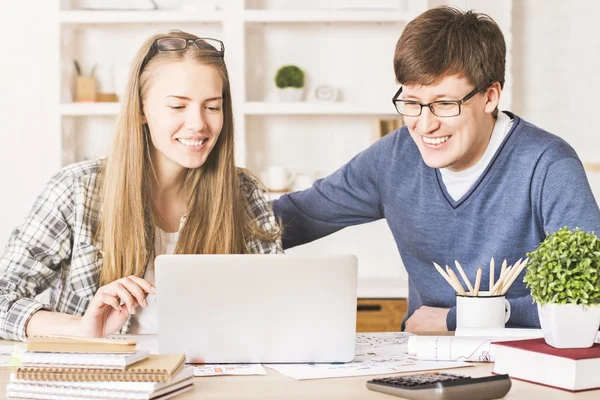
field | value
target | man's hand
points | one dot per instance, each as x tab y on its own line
427	319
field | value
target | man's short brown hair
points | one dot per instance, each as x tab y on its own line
446	41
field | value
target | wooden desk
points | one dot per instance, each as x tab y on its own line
277	386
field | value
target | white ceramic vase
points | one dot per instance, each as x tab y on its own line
569	326
290	94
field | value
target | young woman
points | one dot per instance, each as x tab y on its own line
169	185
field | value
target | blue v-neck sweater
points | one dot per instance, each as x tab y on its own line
534	184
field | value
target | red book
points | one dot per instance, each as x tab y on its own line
533	360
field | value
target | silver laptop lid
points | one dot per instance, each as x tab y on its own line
257	308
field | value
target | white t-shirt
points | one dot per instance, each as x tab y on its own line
145	320
459	183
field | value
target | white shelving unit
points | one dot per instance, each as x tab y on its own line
238	21
136	17
89	109
250	108
350	49
329	16
318	108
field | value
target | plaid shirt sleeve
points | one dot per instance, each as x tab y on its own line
258	205
33	256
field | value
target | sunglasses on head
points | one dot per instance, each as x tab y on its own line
180	44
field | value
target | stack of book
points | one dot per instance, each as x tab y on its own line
535	361
82	368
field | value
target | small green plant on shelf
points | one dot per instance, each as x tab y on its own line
289	76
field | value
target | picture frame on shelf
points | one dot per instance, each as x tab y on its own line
383	126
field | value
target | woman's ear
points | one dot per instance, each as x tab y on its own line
492	97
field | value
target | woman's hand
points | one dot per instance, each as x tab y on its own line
105	314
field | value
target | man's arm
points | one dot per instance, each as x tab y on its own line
350	196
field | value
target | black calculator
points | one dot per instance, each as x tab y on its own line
442	386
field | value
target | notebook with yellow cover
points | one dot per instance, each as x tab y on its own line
155	368
73	344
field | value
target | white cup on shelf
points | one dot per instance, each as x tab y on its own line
277	178
302	182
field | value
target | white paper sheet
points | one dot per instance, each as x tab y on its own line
376	353
4	360
6	349
451	348
229	369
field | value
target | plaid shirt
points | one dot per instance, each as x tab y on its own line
54	247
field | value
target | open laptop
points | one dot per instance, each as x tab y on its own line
257	308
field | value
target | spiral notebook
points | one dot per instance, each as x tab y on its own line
155	368
182	381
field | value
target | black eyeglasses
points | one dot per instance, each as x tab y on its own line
180	44
441	108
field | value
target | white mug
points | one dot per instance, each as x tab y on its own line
482	311
302	182
278	179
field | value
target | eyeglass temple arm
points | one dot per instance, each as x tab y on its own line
396	95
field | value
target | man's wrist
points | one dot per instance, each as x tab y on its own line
451	319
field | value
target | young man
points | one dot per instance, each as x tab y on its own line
461	181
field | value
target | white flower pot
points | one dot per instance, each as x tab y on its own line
290	94
569	326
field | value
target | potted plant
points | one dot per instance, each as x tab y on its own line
289	79
563	276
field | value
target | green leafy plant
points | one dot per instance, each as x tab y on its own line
563	269
289	76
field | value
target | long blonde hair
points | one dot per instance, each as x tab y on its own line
217	218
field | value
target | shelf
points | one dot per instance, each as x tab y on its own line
276	195
328	16
250	108
592	167
318	108
89	109
115	17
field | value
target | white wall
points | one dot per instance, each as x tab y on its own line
557	72
27	43
556	78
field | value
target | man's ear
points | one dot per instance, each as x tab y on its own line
492	97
